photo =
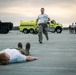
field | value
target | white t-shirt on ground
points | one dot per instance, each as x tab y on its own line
15	55
42	18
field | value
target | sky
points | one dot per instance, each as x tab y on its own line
62	11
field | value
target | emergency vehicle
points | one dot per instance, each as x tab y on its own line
31	27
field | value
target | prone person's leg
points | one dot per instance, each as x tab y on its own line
27	48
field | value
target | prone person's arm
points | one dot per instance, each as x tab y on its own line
31	58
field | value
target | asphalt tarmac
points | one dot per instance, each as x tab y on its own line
57	56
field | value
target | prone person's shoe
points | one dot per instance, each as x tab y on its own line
27	48
20	45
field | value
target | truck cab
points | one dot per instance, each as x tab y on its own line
54	27
5	27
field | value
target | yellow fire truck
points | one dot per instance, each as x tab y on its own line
31	27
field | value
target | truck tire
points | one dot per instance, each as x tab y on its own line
25	31
58	29
31	31
4	31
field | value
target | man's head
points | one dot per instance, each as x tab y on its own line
4	58
42	10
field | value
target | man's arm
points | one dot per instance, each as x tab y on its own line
37	21
48	19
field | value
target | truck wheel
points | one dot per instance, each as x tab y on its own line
7	30
3	31
25	31
31	31
58	30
